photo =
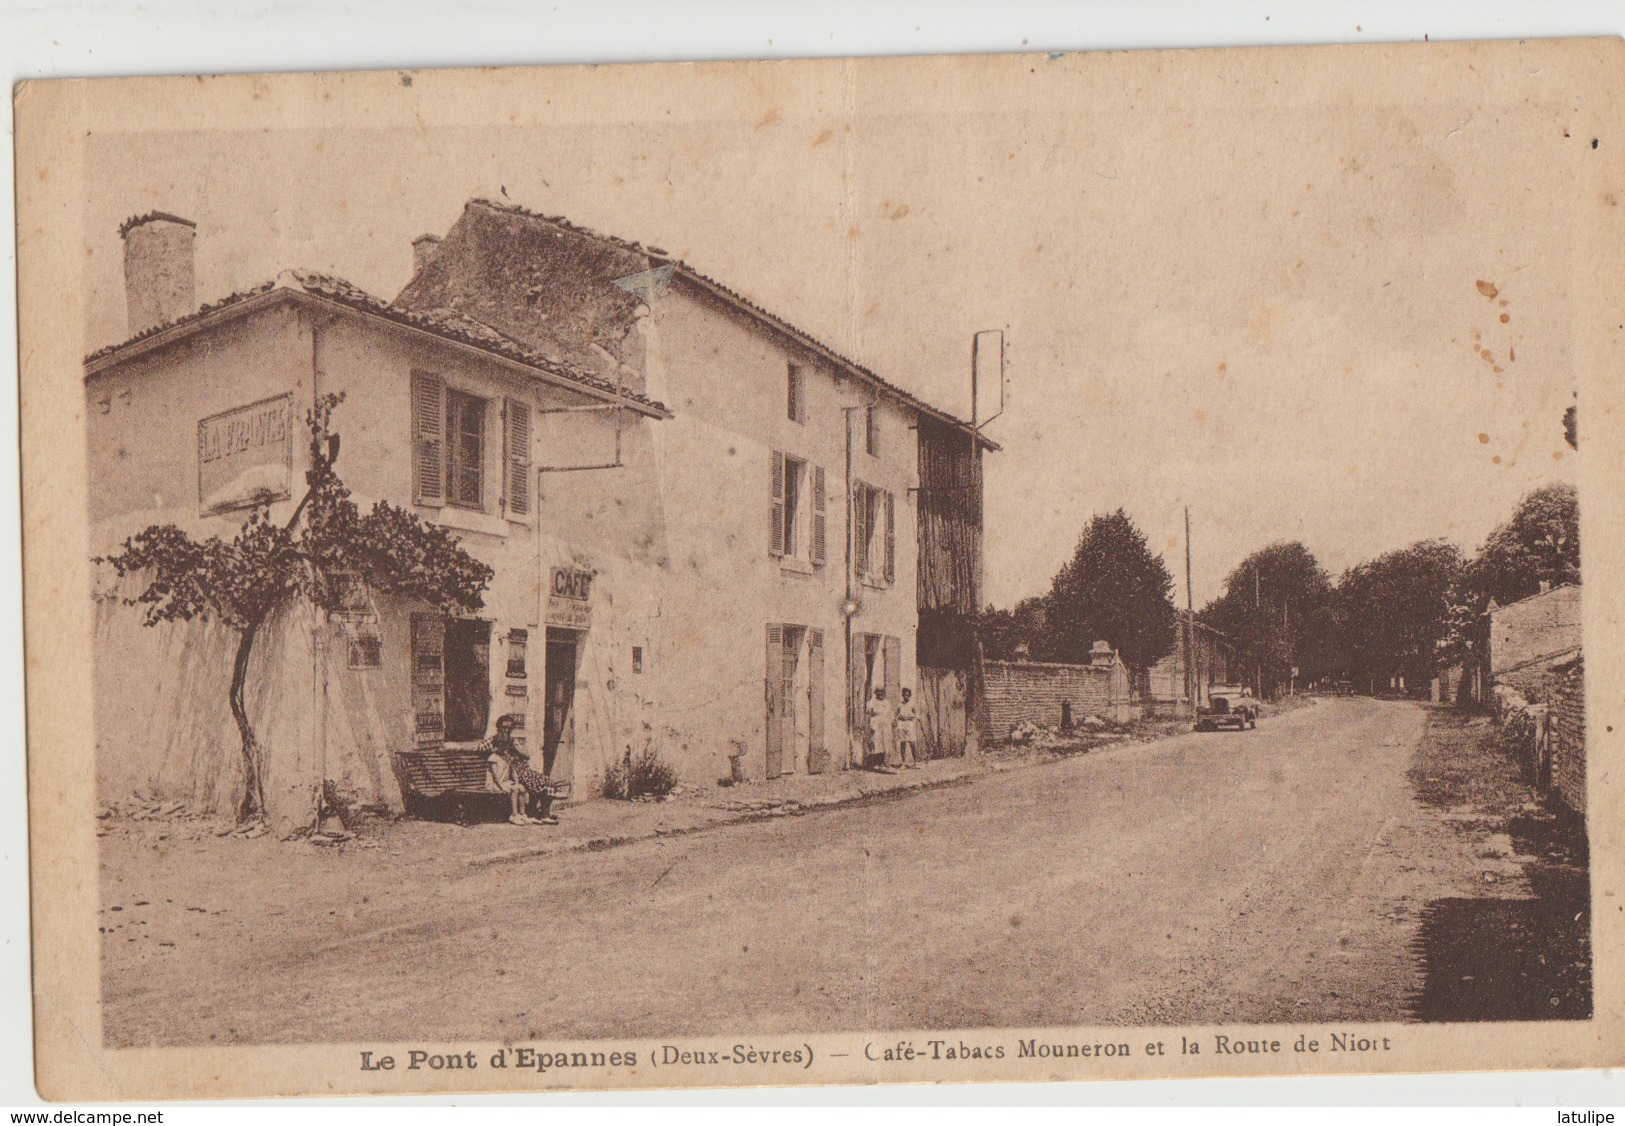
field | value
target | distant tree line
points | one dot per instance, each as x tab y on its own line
1400	615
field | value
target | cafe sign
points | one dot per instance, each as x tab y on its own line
569	604
245	456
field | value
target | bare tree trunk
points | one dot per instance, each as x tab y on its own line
253	803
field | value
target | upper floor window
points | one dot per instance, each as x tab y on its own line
449	446
871	430
874	535
795	388
465	464
798	525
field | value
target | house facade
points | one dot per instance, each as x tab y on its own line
1165	689
703	524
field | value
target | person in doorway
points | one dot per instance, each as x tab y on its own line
908	732
511	773
879	727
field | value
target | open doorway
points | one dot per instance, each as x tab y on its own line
558	716
795	701
468	679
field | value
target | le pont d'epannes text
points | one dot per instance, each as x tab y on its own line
543	1060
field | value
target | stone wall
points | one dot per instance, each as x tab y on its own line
1035	692
1540	715
1568	735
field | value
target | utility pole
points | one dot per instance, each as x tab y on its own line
1191	681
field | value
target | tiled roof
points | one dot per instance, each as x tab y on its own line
203	311
445	323
661	257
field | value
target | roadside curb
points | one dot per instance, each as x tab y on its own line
794	807
790	807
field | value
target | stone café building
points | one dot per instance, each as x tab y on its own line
711	534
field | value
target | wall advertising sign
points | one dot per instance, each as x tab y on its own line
568	600
245	456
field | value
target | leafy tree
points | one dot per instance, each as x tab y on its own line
325	547
1540	543
1277	611
1006	633
1397	609
1114	588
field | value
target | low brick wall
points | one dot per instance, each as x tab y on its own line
1034	692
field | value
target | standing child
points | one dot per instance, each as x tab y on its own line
908	733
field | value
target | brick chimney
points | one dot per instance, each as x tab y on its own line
1101	653
158	282
423	249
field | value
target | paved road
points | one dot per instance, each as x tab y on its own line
1259	876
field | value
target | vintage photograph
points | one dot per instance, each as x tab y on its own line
582	563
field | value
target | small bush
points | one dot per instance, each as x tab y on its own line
613	784
649	775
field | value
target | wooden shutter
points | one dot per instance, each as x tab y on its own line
428	680
775	702
818	755
860	530
891	540
818	516
428	438
776	528
516	456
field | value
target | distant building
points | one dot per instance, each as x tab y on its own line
1533	631
1164	689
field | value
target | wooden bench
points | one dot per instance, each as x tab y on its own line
444	780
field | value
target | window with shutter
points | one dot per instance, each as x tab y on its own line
776	529
465	449
794	482
516	456
860	529
871	431
891	540
819	520
428	438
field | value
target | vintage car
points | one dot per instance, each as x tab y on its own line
1229	706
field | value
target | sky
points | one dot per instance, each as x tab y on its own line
1305	302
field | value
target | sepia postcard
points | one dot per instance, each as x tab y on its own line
943	569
